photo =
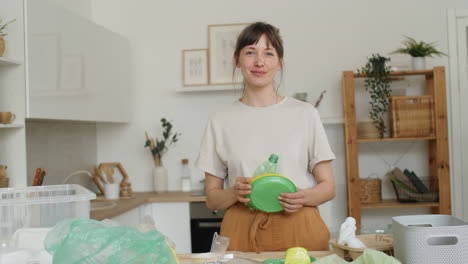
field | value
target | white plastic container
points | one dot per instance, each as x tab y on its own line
41	206
430	239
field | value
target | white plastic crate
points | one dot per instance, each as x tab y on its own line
430	239
41	206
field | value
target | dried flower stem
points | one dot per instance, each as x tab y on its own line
317	103
156	159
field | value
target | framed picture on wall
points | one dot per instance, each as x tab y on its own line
222	43
195	67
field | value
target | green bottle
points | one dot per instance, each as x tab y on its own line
267	167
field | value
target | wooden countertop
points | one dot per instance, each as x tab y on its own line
124	205
209	257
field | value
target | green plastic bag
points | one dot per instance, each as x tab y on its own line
88	241
369	256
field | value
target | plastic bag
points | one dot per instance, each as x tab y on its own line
92	242
369	256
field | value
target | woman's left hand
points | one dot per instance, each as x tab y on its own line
292	202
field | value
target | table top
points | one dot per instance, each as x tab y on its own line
210	257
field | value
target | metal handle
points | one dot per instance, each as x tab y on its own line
209	224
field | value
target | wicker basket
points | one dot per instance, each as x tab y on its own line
380	242
4	182
405	196
371	190
412	116
367	129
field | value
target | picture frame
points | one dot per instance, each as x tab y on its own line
195	67
221	45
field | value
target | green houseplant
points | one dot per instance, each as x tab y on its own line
418	51
158	147
3	27
377	84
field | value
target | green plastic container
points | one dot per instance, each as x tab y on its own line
265	191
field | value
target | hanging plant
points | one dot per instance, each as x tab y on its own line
377	84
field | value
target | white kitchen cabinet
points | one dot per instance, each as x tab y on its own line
76	69
130	218
171	219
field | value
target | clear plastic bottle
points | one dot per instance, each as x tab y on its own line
186	181
269	166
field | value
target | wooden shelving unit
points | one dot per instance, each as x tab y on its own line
438	156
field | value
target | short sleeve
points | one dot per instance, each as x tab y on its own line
319	149
208	159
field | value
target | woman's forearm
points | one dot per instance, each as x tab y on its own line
320	194
219	199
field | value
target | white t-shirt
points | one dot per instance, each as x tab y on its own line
239	138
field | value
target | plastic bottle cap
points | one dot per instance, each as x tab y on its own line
273	158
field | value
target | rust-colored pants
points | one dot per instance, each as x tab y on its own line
256	231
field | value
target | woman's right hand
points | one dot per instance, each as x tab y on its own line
242	188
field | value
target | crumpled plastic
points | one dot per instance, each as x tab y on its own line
86	241
369	256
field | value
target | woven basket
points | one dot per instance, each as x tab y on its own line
371	190
412	116
405	196
2	46
4	182
380	242
367	129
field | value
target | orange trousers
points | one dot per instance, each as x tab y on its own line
256	231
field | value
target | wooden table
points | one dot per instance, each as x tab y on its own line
209	257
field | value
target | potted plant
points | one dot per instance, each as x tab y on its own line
377	84
418	51
3	27
158	148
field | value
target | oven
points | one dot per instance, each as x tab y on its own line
203	224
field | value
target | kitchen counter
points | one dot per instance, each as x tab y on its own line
124	204
208	257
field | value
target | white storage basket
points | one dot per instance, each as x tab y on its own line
430	239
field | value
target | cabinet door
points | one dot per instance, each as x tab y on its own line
173	220
77	70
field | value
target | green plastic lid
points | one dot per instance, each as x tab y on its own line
281	260
265	191
273	158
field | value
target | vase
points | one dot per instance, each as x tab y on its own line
419	63
160	179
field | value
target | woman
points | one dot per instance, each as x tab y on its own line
243	135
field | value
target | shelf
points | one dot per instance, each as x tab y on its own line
8	62
394	139
401	73
209	88
11	125
393	203
437	151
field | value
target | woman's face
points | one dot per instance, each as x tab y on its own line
259	63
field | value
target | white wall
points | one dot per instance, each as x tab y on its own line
82	7
61	148
322	38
